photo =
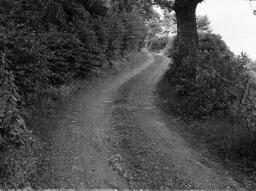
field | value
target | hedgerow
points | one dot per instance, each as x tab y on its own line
49	44
220	78
157	44
220	101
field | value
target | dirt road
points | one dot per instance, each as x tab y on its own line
116	137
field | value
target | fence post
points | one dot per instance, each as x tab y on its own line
246	91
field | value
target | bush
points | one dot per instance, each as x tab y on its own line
13	130
116	32
220	102
157	44
17	166
50	44
219	81
16	153
135	31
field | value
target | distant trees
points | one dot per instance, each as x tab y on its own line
159	43
203	23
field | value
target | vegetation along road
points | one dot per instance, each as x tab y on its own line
116	137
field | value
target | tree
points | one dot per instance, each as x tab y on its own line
144	7
185	11
187	42
170	21
203	23
154	26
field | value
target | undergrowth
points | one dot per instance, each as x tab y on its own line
157	44
41	119
217	107
17	144
48	50
214	137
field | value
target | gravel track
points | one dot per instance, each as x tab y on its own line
114	136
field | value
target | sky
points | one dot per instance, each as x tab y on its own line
234	21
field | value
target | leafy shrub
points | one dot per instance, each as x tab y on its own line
135	31
220	100
158	43
17	166
120	33
55	42
116	31
28	63
219	81
16	153
50	44
13	130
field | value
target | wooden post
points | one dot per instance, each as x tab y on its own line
246	91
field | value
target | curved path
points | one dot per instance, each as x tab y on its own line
116	137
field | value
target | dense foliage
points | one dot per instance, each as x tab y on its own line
160	43
45	44
53	42
220	100
16	143
219	80
162	28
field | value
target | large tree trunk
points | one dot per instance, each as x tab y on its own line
187	36
187	30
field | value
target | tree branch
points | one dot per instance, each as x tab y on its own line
166	4
171	5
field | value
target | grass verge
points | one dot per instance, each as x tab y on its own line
53	101
221	139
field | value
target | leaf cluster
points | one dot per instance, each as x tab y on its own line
219	83
49	43
160	43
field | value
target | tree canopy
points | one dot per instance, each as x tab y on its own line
171	5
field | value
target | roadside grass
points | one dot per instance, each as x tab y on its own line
28	165
52	102
18	166
142	163
225	139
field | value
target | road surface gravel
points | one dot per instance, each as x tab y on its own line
114	136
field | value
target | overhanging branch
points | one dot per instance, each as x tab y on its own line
165	4
171	5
